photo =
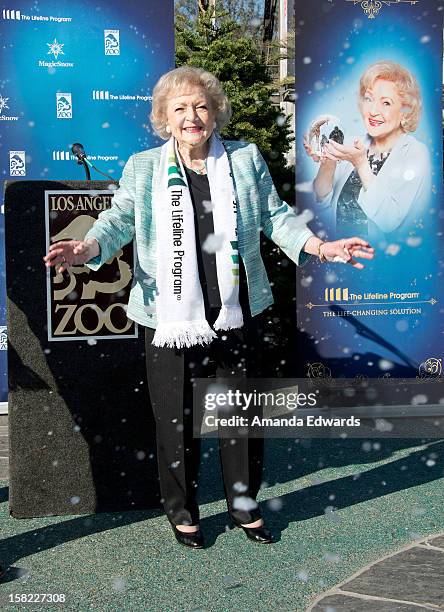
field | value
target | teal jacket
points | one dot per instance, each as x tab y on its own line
259	208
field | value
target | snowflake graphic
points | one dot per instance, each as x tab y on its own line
55	48
3	104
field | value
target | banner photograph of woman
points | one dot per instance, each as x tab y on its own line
379	183
195	207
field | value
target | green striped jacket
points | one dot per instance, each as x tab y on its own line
258	208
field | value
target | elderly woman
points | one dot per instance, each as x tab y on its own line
195	207
382	184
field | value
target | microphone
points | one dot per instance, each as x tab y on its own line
78	150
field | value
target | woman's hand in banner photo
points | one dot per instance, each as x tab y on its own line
309	150
323	183
355	154
344	250
323	160
71	253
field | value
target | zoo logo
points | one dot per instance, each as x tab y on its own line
17	163
64	105
73	317
112	42
3	338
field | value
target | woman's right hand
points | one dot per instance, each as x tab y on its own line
71	253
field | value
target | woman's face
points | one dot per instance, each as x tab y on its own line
190	116
382	109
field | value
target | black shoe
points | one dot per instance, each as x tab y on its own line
192	539
262	535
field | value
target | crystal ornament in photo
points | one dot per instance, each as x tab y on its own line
323	129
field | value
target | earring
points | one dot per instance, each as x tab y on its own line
167	129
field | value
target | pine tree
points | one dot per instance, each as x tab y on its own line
222	47
236	60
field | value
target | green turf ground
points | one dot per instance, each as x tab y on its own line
335	505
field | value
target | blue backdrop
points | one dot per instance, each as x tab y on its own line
77	72
336	41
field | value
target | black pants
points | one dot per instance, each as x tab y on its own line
170	375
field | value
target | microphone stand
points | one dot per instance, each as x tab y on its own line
82	162
78	150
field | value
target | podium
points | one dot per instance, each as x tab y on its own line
81	428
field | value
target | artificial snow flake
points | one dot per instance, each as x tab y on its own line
240	487
213	243
385	364
118	584
302	575
383	425
392	249
420	398
275	504
331	515
243	502
208	205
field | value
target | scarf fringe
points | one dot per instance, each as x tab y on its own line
183	334
230	317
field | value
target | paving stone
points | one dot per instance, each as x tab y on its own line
438	541
415	575
4	468
4	448
344	603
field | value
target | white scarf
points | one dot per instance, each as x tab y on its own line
179	302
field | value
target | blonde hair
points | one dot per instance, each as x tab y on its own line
406	84
173	81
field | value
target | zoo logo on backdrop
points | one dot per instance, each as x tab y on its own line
82	304
3	338
17	163
112	42
64	105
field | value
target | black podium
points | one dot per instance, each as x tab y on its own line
81	429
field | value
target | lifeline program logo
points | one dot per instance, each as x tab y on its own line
102	94
68	156
14	14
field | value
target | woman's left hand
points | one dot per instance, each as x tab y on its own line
356	154
346	249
